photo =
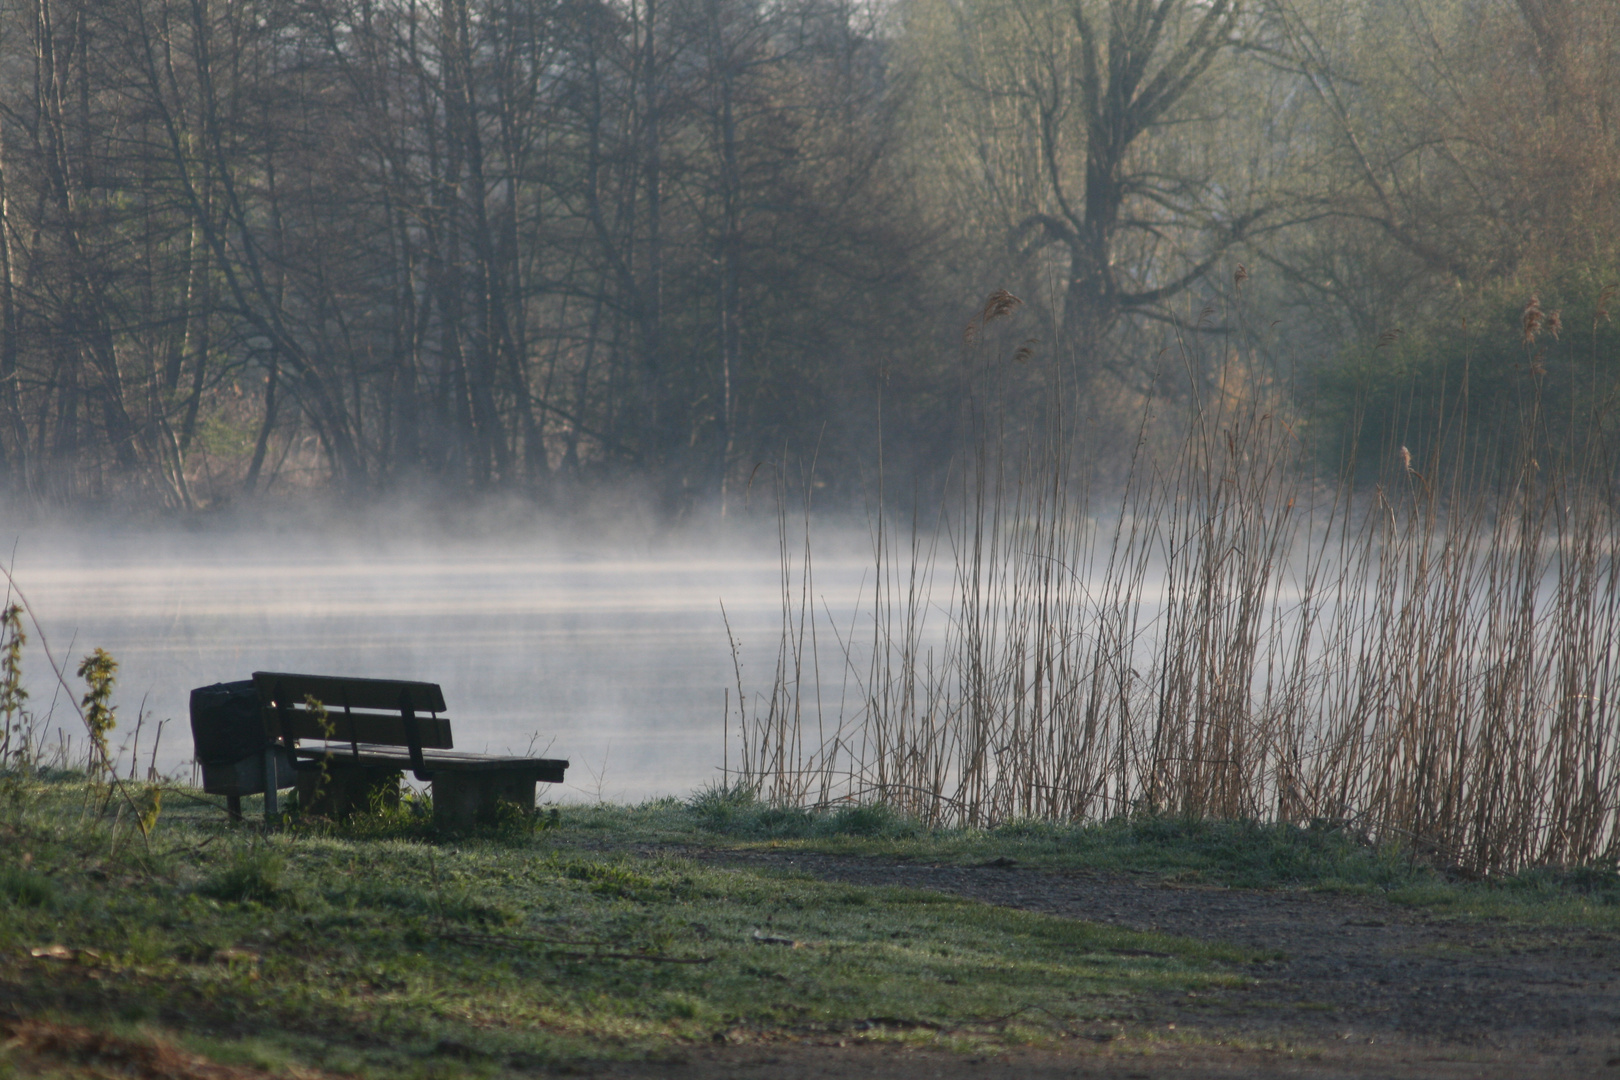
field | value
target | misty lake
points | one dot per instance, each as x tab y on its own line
613	656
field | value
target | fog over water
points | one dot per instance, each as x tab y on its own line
608	652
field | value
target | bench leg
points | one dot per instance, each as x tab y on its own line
464	799
233	807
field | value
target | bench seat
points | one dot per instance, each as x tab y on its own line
373	755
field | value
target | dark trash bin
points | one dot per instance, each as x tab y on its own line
227	730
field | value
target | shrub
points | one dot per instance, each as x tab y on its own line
718	806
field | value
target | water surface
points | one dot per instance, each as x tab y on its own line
616	660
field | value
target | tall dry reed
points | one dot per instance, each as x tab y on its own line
1432	659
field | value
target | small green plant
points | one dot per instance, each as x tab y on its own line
514	820
151	807
719	805
390	813
99	671
254	873
15	743
317	710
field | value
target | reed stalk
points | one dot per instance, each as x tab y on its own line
1431	660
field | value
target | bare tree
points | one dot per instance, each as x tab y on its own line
1073	121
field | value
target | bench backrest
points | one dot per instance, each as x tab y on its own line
387	712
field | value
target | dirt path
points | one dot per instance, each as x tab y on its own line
1370	989
1353	966
811	1062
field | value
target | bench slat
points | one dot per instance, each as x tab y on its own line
360	727
335	692
548	769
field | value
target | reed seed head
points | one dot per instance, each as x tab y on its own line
1000	304
1531	319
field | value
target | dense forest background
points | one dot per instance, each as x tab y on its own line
543	246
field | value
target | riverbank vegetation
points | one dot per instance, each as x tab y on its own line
1419	642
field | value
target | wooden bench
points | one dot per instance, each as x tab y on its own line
374	730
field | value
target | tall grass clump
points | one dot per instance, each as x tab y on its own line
1431	658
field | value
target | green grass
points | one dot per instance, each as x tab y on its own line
1238	854
377	949
1242	854
382	948
1546	897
